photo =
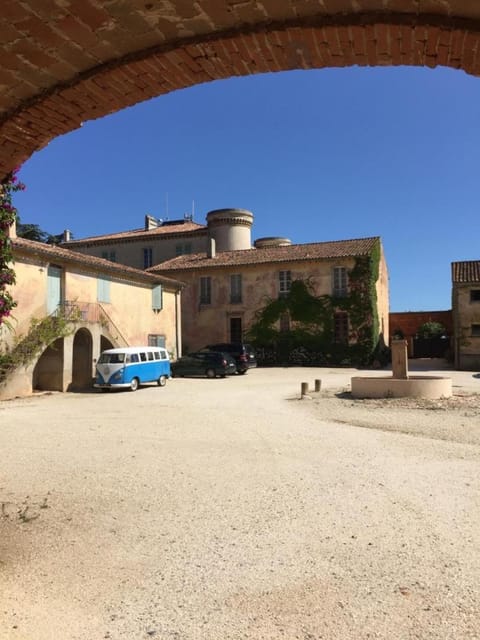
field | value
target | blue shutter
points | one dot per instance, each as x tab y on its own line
54	288
103	290
157	298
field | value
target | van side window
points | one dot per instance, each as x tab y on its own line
157	355
134	357
163	355
143	357
150	355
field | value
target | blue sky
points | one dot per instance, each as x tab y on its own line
315	155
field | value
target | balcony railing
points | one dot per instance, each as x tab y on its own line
91	312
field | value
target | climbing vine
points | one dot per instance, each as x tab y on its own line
42	333
311	335
8	214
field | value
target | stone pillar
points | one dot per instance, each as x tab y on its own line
12	230
399	359
67	361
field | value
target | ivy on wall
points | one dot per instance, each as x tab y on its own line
312	320
42	333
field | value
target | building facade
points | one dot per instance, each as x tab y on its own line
229	279
106	304
466	314
161	240
226	291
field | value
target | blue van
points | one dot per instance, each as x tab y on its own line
129	367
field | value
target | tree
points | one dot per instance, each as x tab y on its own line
31	231
431	330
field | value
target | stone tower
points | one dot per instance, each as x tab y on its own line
230	228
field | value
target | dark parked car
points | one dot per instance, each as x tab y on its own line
204	363
244	354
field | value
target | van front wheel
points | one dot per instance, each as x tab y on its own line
134	384
162	381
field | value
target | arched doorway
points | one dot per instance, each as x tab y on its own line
105	344
82	360
48	372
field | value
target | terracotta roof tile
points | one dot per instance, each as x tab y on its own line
138	234
59	254
290	253
468	271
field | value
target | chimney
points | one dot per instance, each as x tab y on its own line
67	235
150	222
211	252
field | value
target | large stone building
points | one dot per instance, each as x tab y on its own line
466	314
161	240
226	290
229	280
109	305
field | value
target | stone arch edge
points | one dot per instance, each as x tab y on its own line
364	39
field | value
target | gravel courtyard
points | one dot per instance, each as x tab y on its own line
229	509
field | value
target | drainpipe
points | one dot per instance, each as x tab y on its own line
178	325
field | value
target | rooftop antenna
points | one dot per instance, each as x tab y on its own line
166	205
193	209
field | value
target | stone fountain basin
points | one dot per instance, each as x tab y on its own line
430	387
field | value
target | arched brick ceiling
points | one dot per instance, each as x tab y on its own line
63	62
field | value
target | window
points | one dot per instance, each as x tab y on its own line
340	328
109	255
340	282
236	288
147	258
236	329
157	298
474	295
103	289
183	249
475	330
155	340
205	290
285	322
285	281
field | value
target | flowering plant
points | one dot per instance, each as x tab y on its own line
8	214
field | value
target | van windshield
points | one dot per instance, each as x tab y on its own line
111	358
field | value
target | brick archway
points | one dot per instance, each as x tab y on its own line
62	65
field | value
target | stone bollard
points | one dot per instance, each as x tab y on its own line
304	389
318	385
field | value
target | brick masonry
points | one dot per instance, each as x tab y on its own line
63	62
409	322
